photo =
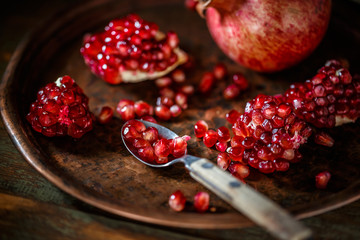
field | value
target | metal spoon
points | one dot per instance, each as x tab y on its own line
242	197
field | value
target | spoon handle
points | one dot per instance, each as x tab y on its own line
247	200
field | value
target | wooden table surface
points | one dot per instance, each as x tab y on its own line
33	208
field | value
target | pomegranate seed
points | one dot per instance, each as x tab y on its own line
220	71
281	165
177	201
239	170
175	110
167	92
187	89
105	115
223	134
210	138
322	179
179	147
324	139
223	160
231	91
200	128
236	153
140	143
164	101
162	148
147	154
163	82
163	112
143	109
201	201
127	112
150	134
122	103
139	126
207	82
221	146
172	39
236	141
240	81
179	76
232	116
130	133
181	100
266	167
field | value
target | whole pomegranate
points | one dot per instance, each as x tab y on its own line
266	35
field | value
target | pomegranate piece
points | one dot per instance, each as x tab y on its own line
331	98
149	119
324	139
163	112
105	115
163	82
187	89
221	146
220	71
150	134
175	110
210	138
132	50
178	75
127	112
142	108
179	147
267	134
162	148
177	201
201	201
223	160
322	179
61	109
200	128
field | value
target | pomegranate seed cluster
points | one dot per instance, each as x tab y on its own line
61	109
330	98
150	146
132	44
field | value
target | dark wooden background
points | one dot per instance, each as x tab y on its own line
33	208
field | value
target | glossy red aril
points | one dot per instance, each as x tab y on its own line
324	139
132	50
210	138
223	160
231	91
191	4
322	179
239	170
277	41
207	82
105	115
223	134
150	134
61	109
240	81
331	98
201	201
142	108
220	71
232	116
163	112
221	146
200	128
177	201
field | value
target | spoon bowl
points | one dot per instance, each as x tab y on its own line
241	196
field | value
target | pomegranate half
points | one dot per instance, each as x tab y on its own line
266	35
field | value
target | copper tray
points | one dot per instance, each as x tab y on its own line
98	170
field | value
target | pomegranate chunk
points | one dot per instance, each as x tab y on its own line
220	71
61	109
322	179
223	160
210	138
132	50
240	81
201	201
105	115
177	201
239	170
329	99
207	82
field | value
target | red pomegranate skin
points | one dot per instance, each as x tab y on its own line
268	35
